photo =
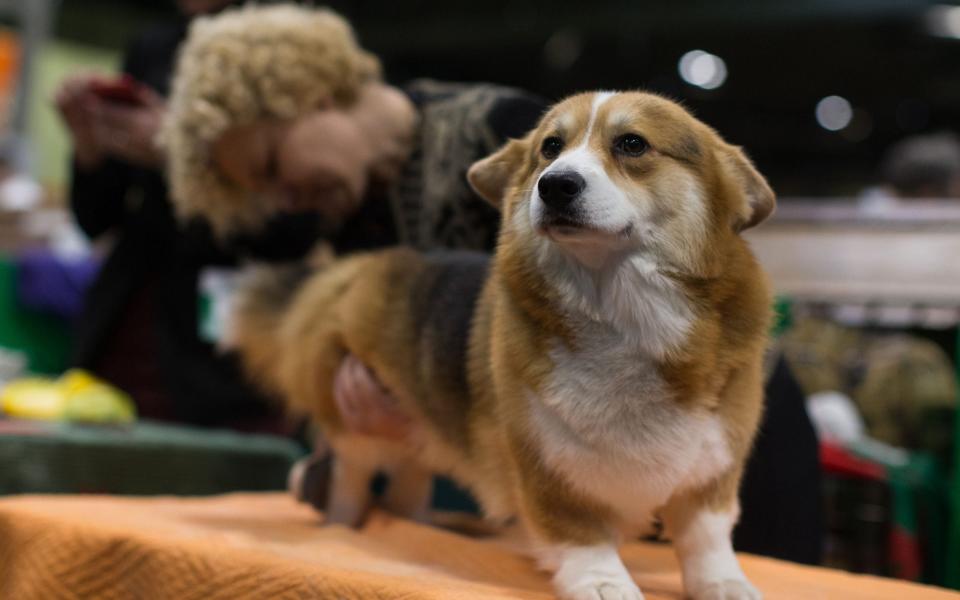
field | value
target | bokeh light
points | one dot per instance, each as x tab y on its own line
702	69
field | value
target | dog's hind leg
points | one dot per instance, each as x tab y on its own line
355	463
409	492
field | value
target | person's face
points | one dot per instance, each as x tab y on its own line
320	161
198	7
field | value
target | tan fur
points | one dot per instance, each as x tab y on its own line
522	324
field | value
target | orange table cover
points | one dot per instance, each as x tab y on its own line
267	546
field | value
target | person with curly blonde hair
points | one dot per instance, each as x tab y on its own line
278	131
140	328
271	65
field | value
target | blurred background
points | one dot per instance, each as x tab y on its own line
851	108
877	69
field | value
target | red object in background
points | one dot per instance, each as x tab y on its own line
836	460
905	554
9	60
122	90
9	69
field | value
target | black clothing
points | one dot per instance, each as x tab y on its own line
780	499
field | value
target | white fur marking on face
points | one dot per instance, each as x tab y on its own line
598	101
608	205
678	240
592	572
605	206
706	556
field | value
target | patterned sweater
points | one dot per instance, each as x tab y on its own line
431	205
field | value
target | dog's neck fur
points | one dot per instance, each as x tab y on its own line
626	293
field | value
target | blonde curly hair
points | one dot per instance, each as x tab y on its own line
245	64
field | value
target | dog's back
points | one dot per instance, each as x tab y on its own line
442	305
416	309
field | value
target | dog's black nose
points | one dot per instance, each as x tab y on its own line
559	189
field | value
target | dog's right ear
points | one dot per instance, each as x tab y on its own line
490	176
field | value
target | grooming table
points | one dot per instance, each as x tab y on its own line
267	546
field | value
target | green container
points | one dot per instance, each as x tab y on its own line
145	458
43	338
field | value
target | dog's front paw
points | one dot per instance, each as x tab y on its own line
612	589
591	573
727	589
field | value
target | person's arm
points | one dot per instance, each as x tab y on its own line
285	238
97	196
102	140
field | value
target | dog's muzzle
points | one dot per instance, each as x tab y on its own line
559	191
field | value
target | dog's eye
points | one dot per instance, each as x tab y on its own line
551	147
631	144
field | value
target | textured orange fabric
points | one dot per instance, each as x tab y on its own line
266	546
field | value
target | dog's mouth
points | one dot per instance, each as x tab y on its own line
561	229
564	226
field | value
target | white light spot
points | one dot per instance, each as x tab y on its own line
702	69
944	21
834	113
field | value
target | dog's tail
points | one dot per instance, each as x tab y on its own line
262	297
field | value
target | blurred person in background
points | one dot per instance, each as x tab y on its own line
388	168
924	166
139	329
921	166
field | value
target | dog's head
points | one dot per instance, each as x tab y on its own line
607	175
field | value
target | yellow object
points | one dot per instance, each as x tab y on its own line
33	398
76	396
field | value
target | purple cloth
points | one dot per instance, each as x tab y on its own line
53	285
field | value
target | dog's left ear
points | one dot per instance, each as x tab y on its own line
490	176
759	199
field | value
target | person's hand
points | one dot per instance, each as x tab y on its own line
129	132
365	406
100	128
78	107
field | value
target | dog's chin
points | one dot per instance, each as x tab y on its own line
592	246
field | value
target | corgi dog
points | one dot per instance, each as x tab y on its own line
602	370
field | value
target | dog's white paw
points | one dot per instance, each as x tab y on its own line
602	589
591	573
727	589
348	515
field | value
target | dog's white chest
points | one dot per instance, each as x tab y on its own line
609	425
